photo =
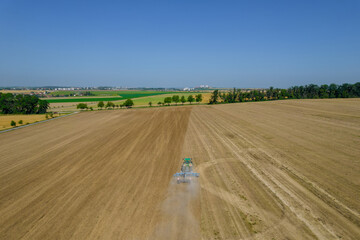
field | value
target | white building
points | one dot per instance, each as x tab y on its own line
188	89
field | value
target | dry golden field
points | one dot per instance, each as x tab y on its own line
5	120
268	170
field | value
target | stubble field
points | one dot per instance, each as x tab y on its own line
268	170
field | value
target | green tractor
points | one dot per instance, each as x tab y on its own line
186	175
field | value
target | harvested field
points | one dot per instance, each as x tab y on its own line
268	170
5	120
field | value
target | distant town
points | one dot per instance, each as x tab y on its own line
62	88
48	91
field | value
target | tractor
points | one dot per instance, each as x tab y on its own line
186	175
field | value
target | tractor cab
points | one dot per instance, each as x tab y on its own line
187	160
187	165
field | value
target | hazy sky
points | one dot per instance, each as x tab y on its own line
179	43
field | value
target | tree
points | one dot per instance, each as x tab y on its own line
283	94
176	99
168	100
332	90
270	93
82	106
110	105
182	99
128	103
240	97
101	104
42	107
324	91
214	97
13	123
198	98
190	99
23	104
150	104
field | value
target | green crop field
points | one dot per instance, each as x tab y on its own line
84	99
120	96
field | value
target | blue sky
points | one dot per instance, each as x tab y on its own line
179	43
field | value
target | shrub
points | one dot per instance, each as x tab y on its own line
13	123
21	122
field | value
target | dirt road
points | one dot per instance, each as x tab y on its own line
269	170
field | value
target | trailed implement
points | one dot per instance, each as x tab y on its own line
186	175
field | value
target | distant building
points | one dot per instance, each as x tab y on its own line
65	89
188	89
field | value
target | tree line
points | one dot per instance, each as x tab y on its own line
311	91
22	104
176	99
128	104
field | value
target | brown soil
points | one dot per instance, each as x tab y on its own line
270	170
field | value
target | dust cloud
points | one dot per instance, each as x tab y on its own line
179	212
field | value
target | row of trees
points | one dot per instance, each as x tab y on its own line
310	91
176	99
22	104
128	103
